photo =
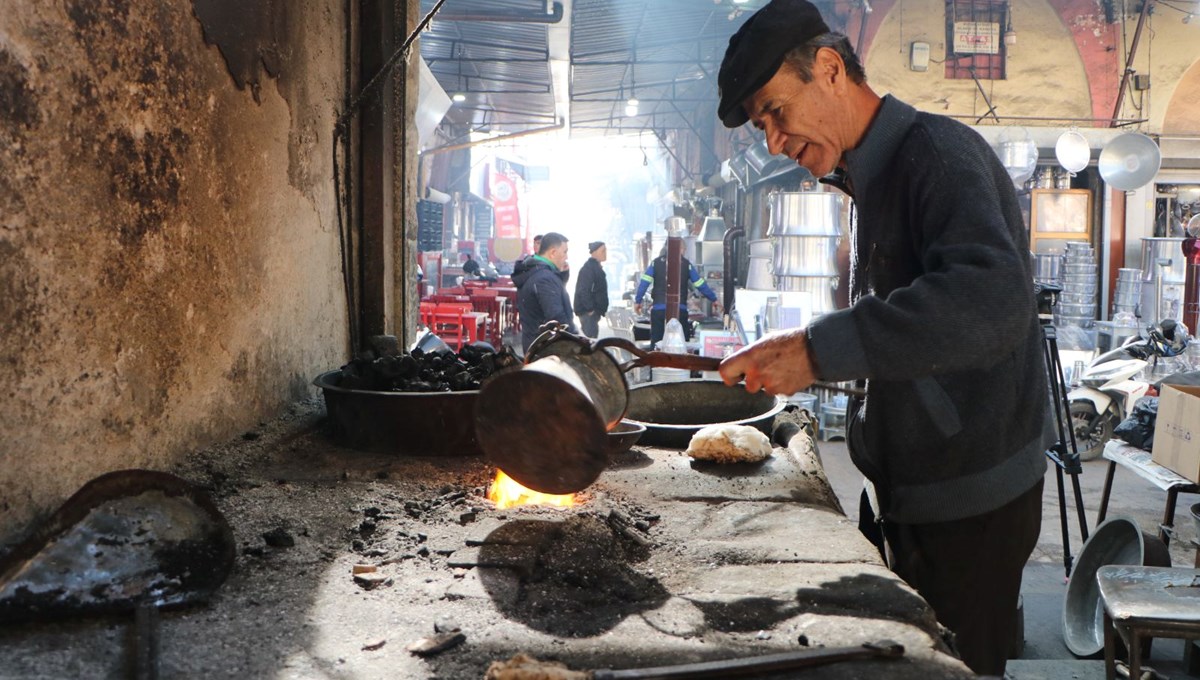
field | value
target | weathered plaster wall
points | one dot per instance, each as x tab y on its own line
1168	50
1046	77
169	261
1183	113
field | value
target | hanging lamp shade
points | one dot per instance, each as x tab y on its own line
1130	161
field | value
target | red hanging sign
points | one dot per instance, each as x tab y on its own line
502	191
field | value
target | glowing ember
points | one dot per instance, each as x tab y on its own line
507	493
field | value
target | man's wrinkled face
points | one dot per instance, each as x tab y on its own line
800	120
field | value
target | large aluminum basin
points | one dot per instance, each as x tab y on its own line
673	411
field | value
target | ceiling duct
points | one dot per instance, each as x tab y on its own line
552	15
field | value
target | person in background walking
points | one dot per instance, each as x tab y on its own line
591	290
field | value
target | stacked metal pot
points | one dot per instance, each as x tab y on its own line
1047	268
805	229
1080	280
1128	293
758	275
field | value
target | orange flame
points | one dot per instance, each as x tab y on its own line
506	493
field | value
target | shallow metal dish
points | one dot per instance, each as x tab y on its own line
624	436
1118	540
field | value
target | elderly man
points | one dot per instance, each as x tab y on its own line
942	327
541	292
591	290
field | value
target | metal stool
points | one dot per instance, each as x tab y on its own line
1142	603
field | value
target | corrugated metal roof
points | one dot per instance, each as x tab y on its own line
664	53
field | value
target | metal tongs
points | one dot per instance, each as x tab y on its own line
689	362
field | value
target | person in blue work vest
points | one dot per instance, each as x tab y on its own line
655	278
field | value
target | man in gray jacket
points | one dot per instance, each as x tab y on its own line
942	327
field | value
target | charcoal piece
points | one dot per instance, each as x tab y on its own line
279	538
384	345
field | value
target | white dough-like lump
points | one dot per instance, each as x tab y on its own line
729	444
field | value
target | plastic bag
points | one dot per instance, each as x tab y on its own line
1138	428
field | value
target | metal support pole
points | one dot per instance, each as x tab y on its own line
1137	36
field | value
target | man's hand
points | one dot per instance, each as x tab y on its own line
637	308
780	363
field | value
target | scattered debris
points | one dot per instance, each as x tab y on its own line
436	644
446	626
279	538
363	569
371	580
374	646
628	527
523	666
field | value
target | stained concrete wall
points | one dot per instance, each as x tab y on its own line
169	259
1170	54
1045	75
1066	63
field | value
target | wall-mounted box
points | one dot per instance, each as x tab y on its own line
918	56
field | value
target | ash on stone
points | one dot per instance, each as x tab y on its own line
581	583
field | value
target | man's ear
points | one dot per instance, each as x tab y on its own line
828	66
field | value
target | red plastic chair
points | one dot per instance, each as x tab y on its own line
442	298
448	323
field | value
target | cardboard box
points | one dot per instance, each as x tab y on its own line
1177	431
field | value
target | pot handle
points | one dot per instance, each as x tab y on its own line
691	362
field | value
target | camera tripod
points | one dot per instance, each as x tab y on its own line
1063	453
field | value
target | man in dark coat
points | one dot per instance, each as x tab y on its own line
942	327
591	290
541	293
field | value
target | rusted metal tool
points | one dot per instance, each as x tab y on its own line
758	665
691	362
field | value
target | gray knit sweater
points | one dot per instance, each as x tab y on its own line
943	326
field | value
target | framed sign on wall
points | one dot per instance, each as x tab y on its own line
1064	214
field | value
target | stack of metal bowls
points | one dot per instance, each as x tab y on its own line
1047	268
758	275
1128	292
1077	302
805	229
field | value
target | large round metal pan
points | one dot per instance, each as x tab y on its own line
410	423
674	411
1118	540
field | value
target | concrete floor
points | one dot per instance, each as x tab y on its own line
1045	655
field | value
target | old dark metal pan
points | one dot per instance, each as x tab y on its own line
127	539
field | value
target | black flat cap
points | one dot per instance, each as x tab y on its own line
757	49
595	245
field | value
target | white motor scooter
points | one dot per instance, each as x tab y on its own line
1107	394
